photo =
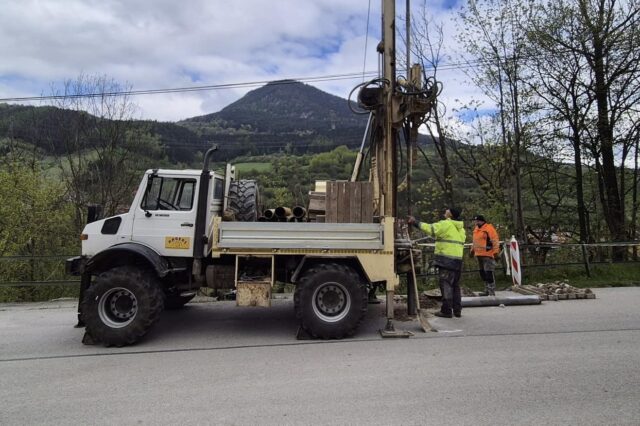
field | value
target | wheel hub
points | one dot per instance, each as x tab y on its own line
118	307
331	302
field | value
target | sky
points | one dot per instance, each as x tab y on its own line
164	44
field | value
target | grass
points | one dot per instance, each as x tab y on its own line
37	294
249	167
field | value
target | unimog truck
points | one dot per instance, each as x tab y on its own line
173	240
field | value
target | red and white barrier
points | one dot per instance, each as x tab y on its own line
516	267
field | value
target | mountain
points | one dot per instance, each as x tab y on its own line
282	115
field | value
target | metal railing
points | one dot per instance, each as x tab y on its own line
46	270
547	255
543	255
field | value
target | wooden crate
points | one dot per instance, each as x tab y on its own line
253	293
349	202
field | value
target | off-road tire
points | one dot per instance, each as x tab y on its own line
330	301
243	200
137	289
175	301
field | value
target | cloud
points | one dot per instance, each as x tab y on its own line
168	44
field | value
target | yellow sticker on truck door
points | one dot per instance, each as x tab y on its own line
180	243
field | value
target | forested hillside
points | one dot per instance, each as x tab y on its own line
281	116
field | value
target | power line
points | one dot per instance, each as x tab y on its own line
192	88
226	86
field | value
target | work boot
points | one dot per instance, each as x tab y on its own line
457	314
443	315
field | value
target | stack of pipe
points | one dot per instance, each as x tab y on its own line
284	214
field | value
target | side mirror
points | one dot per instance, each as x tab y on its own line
94	212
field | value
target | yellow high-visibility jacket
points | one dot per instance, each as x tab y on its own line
450	237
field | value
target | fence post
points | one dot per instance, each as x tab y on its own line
585	259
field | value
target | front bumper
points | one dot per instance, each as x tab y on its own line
75	265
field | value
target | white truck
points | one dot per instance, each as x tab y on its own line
173	241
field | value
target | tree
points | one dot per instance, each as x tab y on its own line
427	48
35	219
102	149
493	33
602	35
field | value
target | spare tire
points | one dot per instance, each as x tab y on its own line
243	200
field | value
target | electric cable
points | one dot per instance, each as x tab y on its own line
239	85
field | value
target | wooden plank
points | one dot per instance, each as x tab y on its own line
331	208
320	218
343	202
355	202
366	203
316	205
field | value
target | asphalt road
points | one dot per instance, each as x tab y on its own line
566	362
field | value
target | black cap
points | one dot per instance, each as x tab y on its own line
479	217
455	213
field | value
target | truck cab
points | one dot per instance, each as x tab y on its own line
162	215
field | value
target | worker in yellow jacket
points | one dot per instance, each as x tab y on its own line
486	247
450	236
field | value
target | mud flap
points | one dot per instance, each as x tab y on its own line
85	281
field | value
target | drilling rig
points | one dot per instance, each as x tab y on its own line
175	239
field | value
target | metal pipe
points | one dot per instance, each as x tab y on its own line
408	29
199	237
299	212
282	212
207	157
269	213
468	302
360	156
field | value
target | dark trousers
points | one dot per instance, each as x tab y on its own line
449	282
487	265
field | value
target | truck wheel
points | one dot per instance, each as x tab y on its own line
122	305
243	200
175	301
330	301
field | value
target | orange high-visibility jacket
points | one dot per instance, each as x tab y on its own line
482	237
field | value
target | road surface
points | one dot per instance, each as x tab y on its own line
565	362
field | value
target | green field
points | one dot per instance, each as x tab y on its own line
248	167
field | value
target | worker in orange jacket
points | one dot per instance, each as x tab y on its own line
486	248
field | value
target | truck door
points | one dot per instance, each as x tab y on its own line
165	219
